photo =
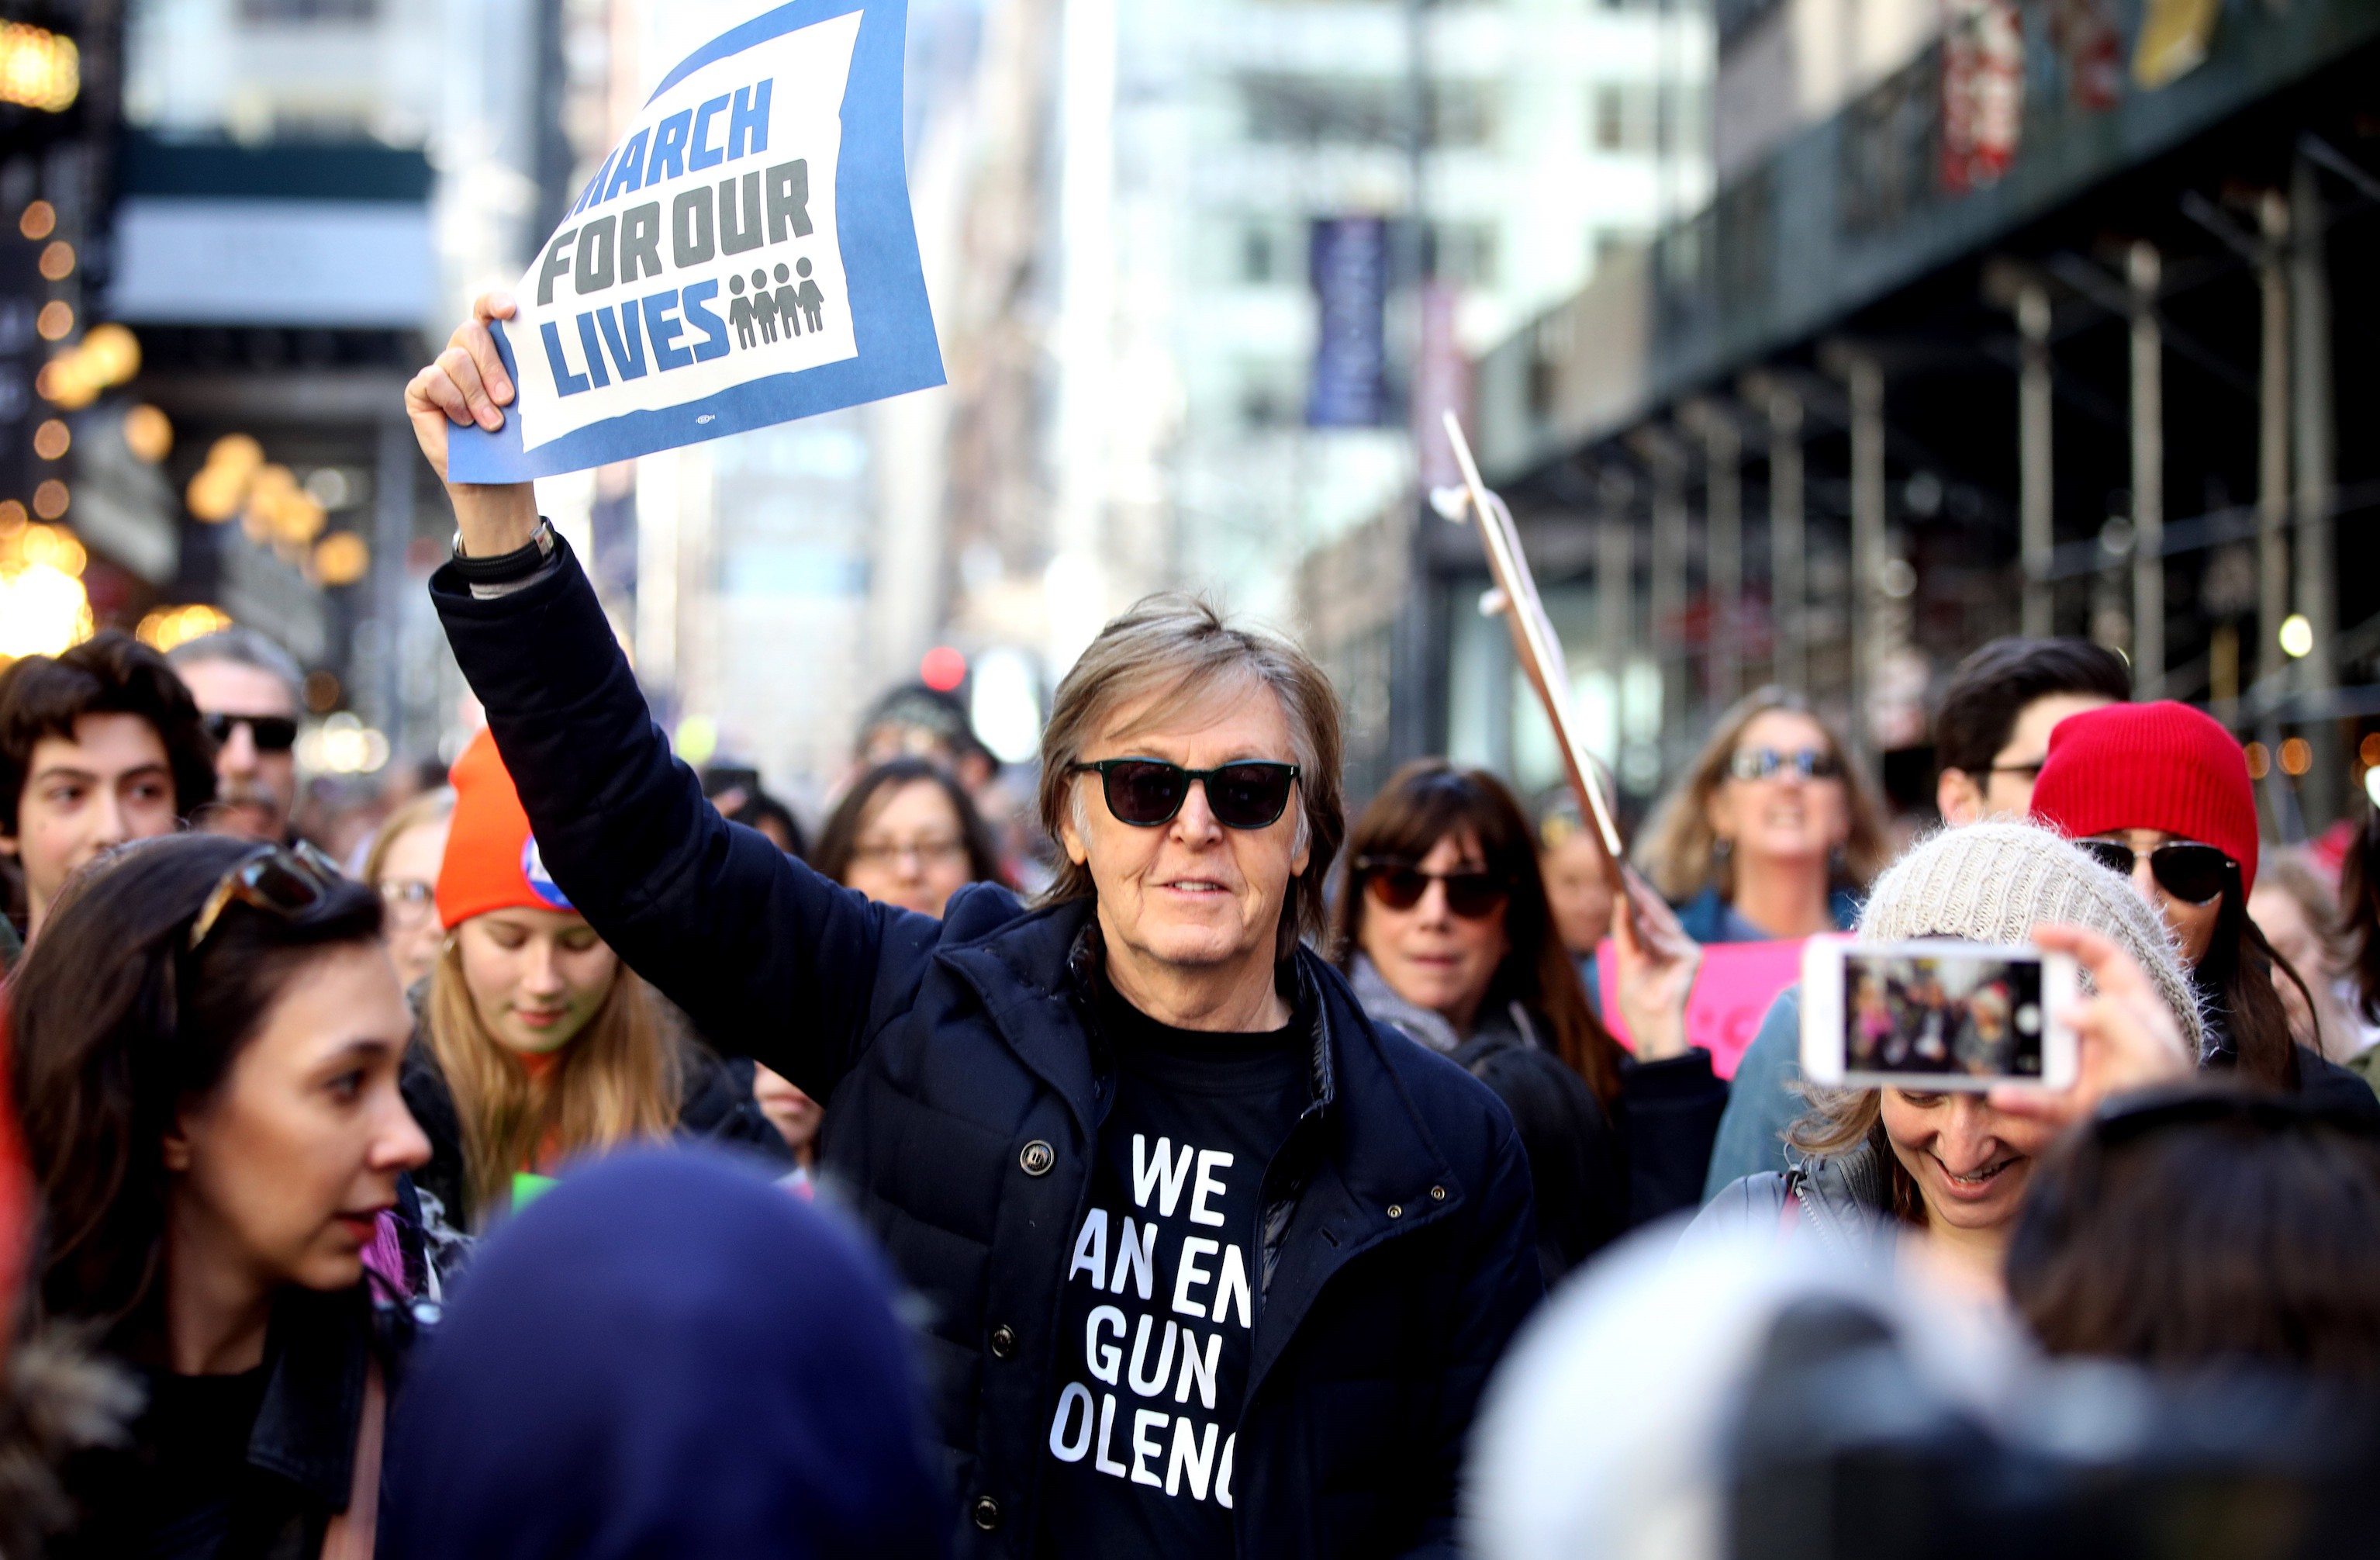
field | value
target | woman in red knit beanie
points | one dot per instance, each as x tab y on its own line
2160	793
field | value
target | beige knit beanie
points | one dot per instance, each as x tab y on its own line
1990	883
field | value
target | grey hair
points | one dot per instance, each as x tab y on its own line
243	646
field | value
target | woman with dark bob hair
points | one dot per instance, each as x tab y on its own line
207	1039
1445	932
2188	1226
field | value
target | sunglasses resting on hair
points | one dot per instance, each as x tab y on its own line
283	880
1147	793
2189	870
1399	885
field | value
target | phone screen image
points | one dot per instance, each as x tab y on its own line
1957	1015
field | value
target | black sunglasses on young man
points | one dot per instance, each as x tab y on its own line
271	734
286	881
1147	793
1399	885
2189	870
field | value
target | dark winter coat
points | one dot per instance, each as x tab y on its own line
967	1082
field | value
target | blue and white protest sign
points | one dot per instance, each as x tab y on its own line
744	256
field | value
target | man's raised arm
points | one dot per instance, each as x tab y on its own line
769	959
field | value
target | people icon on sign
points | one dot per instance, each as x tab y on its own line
812	301
795	300
739	313
789	303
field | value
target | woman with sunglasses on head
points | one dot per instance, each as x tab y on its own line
208	1038
2160	793
1769	834
1445	932
536	1044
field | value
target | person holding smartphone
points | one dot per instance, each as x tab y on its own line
1879	1172
1212	1263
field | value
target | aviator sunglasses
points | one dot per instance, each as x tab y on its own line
1147	793
1399	885
286	882
2189	870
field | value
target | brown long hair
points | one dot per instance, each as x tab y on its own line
1429	800
120	1024
1677	850
1841	1120
2242	972
620	1079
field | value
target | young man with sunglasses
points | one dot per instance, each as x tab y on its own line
248	689
98	745
1213	1265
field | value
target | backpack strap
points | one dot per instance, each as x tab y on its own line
353	1533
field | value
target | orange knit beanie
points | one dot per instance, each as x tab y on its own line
491	859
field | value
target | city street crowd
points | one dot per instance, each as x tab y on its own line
589	1163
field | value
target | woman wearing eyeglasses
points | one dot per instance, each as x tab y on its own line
2160	793
402	864
208	1037
906	835
1445	932
1769	834
536	1044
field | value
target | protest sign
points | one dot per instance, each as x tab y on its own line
1731	993
744	256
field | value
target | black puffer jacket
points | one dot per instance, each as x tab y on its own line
967	1086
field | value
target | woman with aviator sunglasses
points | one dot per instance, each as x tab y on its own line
1445	932
2160	793
208	1038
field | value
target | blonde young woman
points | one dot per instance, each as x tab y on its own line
537	1045
402	864
1770	834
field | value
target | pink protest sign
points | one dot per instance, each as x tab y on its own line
1732	991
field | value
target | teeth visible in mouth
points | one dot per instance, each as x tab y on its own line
1980	1177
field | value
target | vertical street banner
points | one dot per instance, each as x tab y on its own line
744	256
1350	265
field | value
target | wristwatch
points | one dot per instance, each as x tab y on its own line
519	564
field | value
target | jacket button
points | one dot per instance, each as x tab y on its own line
1396	1210
1037	1158
1438	1194
1003	1341
986	1512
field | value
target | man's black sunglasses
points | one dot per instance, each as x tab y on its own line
1147	793
271	734
2189	870
1400	884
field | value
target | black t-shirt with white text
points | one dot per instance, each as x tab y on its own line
1158	1317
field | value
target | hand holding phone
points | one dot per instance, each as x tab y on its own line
1928	1017
2126	1037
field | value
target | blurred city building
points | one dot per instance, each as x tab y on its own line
2002	318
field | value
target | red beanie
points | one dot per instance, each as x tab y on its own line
491	859
2150	766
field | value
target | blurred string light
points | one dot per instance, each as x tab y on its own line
2296	636
39	68
2260	759
2297	756
342	558
148	433
52	439
107	356
697	739
58	261
1005	705
166	627
342	745
38	221
50	499
2372	786
2368	750
43	608
273	509
56	321
943	669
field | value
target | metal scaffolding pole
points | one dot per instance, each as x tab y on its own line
1667	605
1615	590
2142	272
1866	377
1723	549
1788	558
2036	520
2273	445
2310	404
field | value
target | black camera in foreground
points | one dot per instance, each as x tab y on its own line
1848	1450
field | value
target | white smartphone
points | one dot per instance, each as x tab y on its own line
1932	1016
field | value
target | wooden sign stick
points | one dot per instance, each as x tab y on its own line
1537	646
